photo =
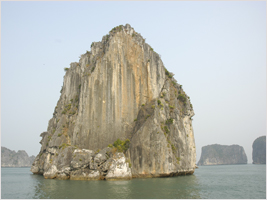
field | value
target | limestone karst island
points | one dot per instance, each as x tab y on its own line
11	158
217	154
259	150
121	115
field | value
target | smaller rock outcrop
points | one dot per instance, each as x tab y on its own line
70	162
11	158
259	150
216	154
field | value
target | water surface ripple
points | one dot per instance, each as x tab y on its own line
208	182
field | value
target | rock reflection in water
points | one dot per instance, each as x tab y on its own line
119	189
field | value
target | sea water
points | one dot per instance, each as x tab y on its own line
208	182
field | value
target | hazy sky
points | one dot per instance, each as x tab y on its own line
217	51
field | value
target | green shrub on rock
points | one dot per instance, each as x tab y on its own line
169	121
181	97
167	72
63	146
166	129
121	145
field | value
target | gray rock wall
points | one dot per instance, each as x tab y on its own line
222	155
113	92
259	150
164	144
11	158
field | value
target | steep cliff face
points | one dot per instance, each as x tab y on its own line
222	155
11	158
119	90
259	150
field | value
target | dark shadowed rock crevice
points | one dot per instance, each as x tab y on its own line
118	90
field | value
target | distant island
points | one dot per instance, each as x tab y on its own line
11	158
216	154
259	150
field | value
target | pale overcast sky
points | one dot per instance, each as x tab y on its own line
217	51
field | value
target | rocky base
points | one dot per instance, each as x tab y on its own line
82	164
180	173
72	163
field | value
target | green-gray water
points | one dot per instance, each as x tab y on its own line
209	182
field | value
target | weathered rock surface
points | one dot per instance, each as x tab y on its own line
216	154
259	150
118	90
82	164
11	158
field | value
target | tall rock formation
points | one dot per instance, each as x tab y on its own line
11	158
118	90
216	154
259	150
